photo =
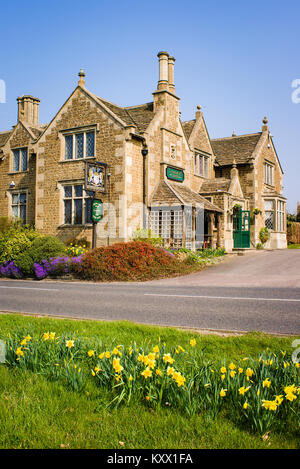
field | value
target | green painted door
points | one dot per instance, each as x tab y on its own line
241	229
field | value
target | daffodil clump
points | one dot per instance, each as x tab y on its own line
262	393
75	250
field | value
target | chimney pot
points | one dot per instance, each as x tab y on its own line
163	81
28	110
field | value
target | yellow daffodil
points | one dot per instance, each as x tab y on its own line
19	352
193	342
180	380
23	342
266	383
156	349
46	336
279	399
249	372
243	390
170	371
147	373
223	370
130	378
232	366
223	392
223	377
290	396
232	374
52	335
158	372
290	389
270	405
151	356
117	366
107	354
93	373
69	343
168	359
101	356
28	338
91	353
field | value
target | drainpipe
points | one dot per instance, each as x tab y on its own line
144	153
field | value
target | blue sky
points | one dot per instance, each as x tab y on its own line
236	58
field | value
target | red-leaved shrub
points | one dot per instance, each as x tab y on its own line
135	260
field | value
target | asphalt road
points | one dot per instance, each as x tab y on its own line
220	298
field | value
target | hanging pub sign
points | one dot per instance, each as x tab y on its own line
175	174
97	210
95	176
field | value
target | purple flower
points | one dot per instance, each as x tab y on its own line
40	271
9	269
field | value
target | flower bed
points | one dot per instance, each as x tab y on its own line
260	394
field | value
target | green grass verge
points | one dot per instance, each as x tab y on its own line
294	246
38	413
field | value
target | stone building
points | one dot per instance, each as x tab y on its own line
159	172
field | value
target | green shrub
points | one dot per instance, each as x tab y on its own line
15	240
259	246
264	235
44	247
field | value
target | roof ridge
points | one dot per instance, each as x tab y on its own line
236	136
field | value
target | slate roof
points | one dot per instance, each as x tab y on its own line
215	185
140	115
4	136
170	193
188	127
239	148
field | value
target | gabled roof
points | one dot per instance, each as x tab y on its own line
4	136
140	115
239	148
215	185
171	193
188	127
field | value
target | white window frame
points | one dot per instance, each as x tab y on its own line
201	164
280	215
73	133
19	150
85	196
270	211
269	173
18	205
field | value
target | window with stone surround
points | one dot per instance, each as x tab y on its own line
201	165
280	215
269	214
79	145
20	159
19	205
77	205
269	174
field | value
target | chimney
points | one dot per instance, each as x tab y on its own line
171	62
265	127
163	81
28	110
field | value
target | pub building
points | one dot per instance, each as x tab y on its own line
147	167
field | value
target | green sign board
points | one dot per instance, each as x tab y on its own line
97	210
175	174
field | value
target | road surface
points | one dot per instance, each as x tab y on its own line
259	291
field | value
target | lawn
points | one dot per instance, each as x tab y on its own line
294	246
36	412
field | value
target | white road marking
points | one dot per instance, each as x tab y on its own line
30	288
222	297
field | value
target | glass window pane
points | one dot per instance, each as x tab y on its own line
79	146
68	147
88	210
15	211
68	191
24	159
23	212
78	191
15	198
78	211
23	198
68	211
16	160
90	144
